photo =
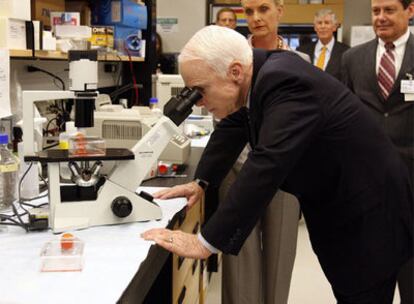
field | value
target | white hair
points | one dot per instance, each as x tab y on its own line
326	12
218	47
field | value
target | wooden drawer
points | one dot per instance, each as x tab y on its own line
188	218
182	266
188	292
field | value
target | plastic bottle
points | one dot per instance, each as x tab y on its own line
64	137
9	166
153	104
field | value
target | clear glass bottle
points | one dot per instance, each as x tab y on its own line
9	168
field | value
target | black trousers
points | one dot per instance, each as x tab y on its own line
405	281
382	293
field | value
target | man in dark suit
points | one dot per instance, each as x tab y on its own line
310	136
375	71
326	53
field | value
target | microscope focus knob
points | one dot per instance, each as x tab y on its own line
121	206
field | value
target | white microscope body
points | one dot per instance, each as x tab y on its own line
116	200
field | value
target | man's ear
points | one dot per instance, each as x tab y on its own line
411	10
235	71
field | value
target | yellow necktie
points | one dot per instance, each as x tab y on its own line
321	60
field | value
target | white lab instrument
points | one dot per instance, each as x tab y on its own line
116	200
122	128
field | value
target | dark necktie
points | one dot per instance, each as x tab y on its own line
386	71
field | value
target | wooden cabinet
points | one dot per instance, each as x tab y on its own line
304	13
294	13
186	278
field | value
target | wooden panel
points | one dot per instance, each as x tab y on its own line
304	13
189	291
57	55
20	53
182	267
236	2
334	1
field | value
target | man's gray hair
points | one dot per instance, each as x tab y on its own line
326	12
218	47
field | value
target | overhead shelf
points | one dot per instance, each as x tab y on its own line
57	55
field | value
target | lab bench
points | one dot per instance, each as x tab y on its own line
119	266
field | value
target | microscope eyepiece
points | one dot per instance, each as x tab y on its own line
178	108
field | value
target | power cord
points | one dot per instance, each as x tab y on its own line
6	219
32	69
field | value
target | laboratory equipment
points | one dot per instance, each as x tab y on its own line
122	128
64	253
95	199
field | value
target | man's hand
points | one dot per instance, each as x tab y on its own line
192	191
183	244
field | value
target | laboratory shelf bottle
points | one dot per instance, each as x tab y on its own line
9	169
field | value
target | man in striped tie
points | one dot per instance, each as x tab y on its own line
374	72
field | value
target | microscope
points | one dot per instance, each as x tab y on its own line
94	199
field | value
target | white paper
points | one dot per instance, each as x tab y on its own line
167	25
361	34
4	83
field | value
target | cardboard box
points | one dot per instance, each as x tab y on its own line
16	9
102	38
81	7
41	9
64	18
12	33
124	13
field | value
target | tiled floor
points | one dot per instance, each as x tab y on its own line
308	286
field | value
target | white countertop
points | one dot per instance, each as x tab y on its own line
112	256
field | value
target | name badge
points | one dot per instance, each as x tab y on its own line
408	97
407	86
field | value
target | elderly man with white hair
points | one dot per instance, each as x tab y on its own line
310	136
326	53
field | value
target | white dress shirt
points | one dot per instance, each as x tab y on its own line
318	49
399	51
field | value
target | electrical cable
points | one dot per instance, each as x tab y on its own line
21	201
32	68
48	124
51	146
134	80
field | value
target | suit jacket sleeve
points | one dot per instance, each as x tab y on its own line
223	148
290	118
345	74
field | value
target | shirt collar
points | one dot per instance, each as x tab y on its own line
329	46
400	41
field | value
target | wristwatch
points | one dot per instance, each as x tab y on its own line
202	183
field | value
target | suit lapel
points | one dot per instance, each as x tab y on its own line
259	58
312	52
370	61
407	66
331	63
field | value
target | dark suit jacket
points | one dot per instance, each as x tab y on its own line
313	138
394	114
334	64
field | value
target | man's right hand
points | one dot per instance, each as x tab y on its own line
192	191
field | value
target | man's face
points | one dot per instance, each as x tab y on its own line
262	16
227	19
390	19
220	95
325	28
